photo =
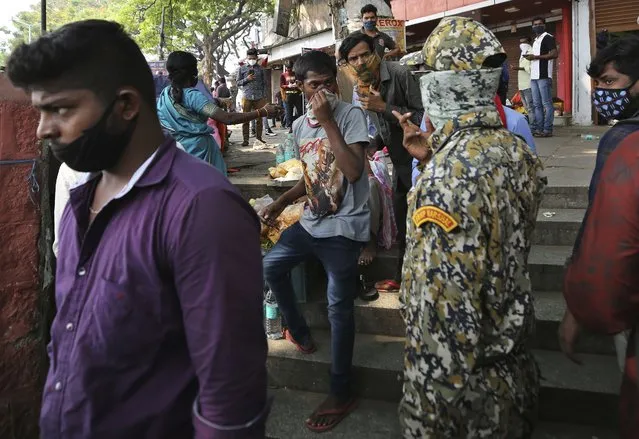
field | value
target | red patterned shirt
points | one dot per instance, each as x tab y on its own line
602	282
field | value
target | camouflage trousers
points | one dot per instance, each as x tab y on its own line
498	402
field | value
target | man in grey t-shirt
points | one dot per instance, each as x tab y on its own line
331	138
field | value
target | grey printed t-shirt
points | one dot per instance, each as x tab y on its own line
334	206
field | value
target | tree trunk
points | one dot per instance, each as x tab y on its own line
347	18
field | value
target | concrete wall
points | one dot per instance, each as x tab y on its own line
21	323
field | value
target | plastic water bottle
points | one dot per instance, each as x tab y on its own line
279	154
289	148
272	317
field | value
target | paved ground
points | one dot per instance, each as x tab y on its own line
569	159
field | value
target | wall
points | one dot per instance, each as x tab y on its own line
21	319
308	18
416	9
581	55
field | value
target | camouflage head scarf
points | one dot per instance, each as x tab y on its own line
456	51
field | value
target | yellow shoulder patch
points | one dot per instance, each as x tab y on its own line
432	214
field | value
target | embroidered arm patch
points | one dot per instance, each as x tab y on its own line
432	214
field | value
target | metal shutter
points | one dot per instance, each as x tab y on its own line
616	15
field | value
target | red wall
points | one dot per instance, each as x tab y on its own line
412	9
20	341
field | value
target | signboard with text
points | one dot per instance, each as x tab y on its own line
396	29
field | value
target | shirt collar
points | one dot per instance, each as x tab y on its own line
158	169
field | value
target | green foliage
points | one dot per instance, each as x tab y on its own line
211	29
59	12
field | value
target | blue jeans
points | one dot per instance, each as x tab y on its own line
285	122
339	256
526	98
542	102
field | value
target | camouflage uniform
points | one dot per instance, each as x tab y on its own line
466	292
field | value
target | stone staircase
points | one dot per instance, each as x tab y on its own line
575	401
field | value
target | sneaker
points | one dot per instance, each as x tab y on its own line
270	133
245	143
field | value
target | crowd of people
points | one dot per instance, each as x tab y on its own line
159	286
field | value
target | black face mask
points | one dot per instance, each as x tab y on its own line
539	29
96	149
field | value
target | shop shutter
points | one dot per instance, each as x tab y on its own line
616	15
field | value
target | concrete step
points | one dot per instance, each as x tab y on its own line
382	317
557	226
555	197
546	266
565	197
379	420
586	394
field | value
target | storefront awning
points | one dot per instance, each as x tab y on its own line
286	50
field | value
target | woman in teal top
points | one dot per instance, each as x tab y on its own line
183	111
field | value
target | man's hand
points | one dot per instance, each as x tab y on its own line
373	102
531	57
272	110
321	108
569	331
271	212
415	140
250	78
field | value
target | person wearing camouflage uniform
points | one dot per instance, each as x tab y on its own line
466	291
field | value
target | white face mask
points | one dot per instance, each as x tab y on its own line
252	62
332	100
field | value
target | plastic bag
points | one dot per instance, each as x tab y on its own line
289	216
260	203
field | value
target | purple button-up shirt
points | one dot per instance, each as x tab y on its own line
159	311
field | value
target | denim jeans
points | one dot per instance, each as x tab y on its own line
339	256
542	101
527	99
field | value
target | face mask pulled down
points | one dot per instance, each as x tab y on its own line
96	149
310	114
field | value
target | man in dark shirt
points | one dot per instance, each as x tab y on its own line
222	89
394	88
291	94
615	70
541	70
382	41
159	331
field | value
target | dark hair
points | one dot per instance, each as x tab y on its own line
353	40
314	61
251	52
542	19
368	9
96	55
222	80
623	53
182	68
526	38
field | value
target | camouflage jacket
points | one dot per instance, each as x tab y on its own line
466	291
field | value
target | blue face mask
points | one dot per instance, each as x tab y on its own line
611	103
370	25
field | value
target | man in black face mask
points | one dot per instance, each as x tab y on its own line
615	71
155	289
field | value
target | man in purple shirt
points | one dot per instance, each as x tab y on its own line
158	332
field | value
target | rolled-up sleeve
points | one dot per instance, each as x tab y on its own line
217	266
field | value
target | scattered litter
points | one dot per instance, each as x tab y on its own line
549	214
590	137
259	145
